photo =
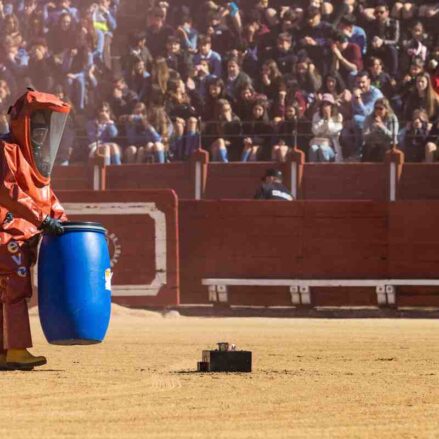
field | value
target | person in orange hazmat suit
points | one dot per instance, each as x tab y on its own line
28	207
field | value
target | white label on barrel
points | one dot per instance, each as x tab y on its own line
108	276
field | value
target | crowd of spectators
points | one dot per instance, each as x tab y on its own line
343	80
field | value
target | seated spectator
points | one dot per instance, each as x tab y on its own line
144	142
157	31
257	133
308	78
178	101
26	17
355	34
290	132
220	33
62	36
186	138
40	72
283	54
187	34
122	99
406	86
423	96
177	59
347	59
139	80
379	78
413	46
431	148
316	39
271	80
104	23
224	134
215	92
384	38
101	132
327	124
137	49
205	52
363	104
380	131
15	59
53	10
247	96
235	80
414	137
11	28
200	78
35	29
77	63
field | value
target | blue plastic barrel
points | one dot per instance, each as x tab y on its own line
74	285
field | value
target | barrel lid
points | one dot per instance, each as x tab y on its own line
83	226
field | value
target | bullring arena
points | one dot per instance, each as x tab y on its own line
375	376
311	378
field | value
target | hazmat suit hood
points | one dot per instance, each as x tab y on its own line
37	123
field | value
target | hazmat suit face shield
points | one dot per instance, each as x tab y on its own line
46	130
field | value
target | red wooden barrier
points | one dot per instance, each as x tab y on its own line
345	181
419	181
414	249
79	178
257	239
176	176
142	235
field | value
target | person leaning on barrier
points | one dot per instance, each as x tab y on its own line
272	187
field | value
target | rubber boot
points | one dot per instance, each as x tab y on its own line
22	359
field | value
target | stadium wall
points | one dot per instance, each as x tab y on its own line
313	239
162	248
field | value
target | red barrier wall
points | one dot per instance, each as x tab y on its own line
176	176
414	249
419	182
345	181
79	178
143	240
257	239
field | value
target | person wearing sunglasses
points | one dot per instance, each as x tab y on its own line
384	37
380	131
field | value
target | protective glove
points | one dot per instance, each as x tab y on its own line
52	226
8	218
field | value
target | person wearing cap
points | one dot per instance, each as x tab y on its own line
327	124
272	187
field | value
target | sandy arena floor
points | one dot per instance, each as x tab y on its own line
312	378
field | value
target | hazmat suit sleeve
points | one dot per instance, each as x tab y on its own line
15	184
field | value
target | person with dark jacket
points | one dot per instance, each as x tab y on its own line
235	80
257	134
272	187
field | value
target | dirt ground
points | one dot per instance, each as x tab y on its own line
312	378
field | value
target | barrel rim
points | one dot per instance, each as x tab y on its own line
84	225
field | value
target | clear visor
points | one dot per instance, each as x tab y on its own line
47	128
